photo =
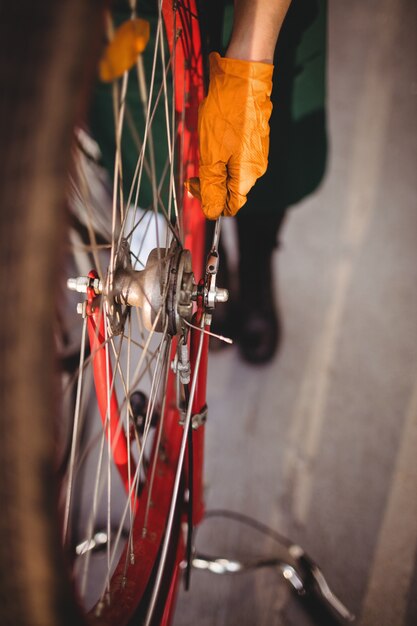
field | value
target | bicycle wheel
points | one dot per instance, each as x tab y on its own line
117	485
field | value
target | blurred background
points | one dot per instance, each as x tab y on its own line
321	444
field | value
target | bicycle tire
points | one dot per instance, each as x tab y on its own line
36	145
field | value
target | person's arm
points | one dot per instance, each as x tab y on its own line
234	117
256	27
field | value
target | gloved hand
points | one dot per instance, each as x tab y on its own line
233	134
120	55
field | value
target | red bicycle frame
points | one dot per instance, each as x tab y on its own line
183	34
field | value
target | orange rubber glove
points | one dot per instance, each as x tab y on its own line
233	134
120	55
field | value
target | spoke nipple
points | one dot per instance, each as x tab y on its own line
81	308
99	608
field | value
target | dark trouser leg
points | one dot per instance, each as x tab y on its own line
258	318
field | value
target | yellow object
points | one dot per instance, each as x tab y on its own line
120	55
233	128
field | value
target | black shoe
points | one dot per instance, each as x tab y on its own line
259	335
259	327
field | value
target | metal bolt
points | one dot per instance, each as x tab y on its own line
79	284
222	295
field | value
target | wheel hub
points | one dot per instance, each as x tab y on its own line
164	289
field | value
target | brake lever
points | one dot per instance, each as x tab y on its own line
315	583
299	571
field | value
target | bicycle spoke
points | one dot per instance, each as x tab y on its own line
187	426
74	435
130	347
